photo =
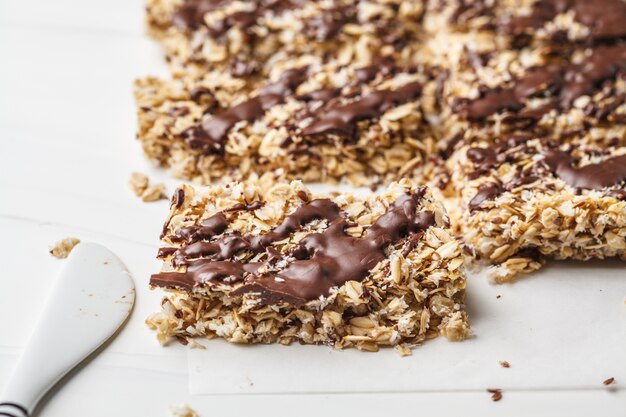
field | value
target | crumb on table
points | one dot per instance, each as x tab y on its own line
62	248
140	185
182	411
496	393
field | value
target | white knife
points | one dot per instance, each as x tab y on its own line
90	300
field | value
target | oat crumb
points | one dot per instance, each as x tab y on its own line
138	183
140	186
153	193
505	364
608	381
403	350
182	411
62	248
496	393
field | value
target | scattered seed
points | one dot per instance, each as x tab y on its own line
608	381
496	394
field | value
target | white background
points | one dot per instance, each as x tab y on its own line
66	133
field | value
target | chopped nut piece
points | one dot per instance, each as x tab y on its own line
138	183
62	248
154	193
609	381
505	364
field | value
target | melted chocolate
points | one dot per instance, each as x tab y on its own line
214	225
179	197
190	15
245	207
598	176
482	156
210	136
487	191
381	65
329	23
342	119
618	194
606	19
469	9
566	82
325	95
322	260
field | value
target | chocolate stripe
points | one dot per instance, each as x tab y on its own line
322	260
342	119
606	19
190	15
567	82
605	174
211	135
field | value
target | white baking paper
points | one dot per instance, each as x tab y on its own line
563	327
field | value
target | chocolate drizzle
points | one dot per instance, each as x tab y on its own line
190	15
319	262
598	176
324	95
487	191
210	136
329	23
566	82
208	228
606	19
341	119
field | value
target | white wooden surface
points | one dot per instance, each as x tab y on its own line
66	134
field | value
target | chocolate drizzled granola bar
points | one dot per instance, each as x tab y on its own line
525	198
246	39
285	265
362	124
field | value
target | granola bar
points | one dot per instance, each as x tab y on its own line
285	265
361	124
525	199
551	67
245	39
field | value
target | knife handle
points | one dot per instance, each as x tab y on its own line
12	409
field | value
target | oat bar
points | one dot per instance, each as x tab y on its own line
245	39
489	82
285	265
361	124
524	199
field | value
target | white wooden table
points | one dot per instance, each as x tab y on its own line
66	132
